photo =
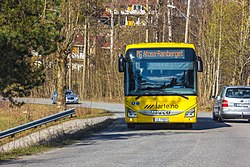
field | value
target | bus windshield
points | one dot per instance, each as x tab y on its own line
160	77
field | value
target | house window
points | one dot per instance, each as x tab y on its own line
123	21
138	7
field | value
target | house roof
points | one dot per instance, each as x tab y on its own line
131	2
134	2
102	40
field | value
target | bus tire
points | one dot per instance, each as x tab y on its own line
188	126
130	125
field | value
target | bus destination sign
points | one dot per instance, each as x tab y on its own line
160	54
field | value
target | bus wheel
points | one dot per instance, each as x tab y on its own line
130	125
188	126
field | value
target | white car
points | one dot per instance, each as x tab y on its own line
69	95
232	102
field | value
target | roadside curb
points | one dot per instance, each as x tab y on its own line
51	133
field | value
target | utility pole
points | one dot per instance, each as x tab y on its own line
187	21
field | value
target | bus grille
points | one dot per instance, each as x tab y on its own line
160	112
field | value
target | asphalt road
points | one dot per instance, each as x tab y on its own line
208	144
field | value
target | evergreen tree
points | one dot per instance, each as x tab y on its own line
27	27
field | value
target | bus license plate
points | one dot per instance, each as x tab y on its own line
161	120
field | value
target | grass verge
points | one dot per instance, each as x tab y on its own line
59	141
14	116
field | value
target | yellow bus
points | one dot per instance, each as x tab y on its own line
160	83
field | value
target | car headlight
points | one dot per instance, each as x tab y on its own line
131	113
190	113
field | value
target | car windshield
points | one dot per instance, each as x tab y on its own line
68	92
238	92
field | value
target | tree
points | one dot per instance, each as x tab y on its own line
69	11
218	28
24	32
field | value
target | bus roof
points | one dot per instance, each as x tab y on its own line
160	45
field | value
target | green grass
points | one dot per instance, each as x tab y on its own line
13	154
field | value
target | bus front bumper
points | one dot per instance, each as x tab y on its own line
180	118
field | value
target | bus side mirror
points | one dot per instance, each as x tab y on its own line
121	63
200	64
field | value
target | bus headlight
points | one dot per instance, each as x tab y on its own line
190	113
131	113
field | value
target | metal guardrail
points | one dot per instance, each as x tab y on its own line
33	124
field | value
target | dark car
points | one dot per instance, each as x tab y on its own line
232	102
70	96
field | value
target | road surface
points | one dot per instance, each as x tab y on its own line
209	144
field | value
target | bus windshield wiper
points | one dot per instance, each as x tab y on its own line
139	96
147	88
185	97
181	95
165	86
